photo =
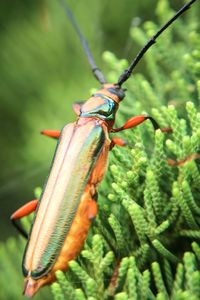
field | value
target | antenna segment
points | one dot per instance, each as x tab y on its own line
97	72
127	73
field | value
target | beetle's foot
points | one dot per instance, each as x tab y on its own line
117	141
166	129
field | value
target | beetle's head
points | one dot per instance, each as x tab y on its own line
115	92
104	103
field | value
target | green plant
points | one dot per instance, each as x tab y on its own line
147	229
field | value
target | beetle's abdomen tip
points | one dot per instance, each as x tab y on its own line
31	286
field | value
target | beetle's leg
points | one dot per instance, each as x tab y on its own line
77	108
117	141
92	209
55	134
23	211
134	121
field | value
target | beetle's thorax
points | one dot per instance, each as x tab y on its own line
104	103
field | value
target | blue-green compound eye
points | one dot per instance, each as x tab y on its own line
106	110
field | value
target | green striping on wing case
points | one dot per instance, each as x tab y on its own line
75	157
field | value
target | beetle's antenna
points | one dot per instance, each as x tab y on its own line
97	72
127	73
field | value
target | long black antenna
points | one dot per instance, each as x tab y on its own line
127	73
97	72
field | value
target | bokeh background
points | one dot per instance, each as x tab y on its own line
43	70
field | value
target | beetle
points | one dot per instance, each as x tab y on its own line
68	202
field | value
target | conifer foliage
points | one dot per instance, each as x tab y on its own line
145	241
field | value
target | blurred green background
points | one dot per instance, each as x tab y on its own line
43	70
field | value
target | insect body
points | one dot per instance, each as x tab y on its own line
68	202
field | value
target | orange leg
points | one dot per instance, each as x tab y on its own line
134	121
23	211
55	134
92	209
117	141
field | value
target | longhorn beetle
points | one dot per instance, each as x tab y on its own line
68	202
